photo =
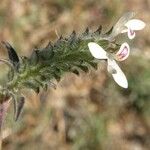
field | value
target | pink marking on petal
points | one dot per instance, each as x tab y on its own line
123	53
131	32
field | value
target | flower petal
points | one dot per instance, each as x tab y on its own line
118	75
110	69
131	34
120	25
97	51
123	52
135	24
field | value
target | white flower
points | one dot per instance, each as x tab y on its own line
132	26
127	24
113	68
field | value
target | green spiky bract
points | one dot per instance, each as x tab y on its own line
69	54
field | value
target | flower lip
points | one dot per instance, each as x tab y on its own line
131	34
112	67
97	51
123	52
135	24
118	75
120	27
132	26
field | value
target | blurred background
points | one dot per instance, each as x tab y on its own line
87	112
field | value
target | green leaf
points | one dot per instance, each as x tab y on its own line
15	105
34	58
93	64
20	104
86	33
98	31
32	85
47	53
75	71
109	31
69	54
84	68
12	55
